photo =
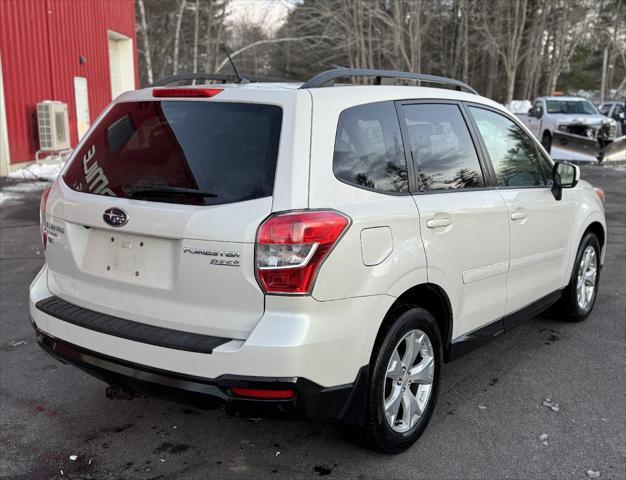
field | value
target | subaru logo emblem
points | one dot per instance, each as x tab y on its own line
115	217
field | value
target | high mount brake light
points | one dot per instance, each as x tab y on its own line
291	247
42	217
186	92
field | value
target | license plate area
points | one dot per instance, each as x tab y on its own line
130	258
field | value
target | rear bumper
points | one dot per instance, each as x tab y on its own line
318	348
324	342
344	402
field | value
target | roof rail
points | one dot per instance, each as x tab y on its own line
323	78
217	77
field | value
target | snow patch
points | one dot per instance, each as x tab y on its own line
17	191
34	177
48	170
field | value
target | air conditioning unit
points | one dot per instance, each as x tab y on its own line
53	124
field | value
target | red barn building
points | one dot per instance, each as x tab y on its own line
81	53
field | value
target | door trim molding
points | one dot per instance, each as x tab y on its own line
487	271
530	260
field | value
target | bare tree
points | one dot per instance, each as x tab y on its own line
507	48
569	23
146	40
195	35
238	52
508	42
491	58
534	46
179	19
613	51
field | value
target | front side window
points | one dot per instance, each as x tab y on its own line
581	107
368	148
604	108
512	152
441	146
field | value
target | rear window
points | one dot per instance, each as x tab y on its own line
161	151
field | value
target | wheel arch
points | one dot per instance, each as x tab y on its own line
431	297
597	229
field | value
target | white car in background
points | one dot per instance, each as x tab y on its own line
572	124
308	248
616	111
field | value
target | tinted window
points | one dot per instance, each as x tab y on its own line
604	108
368	148
441	147
228	149
512	152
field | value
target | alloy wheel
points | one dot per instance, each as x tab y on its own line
408	381
586	280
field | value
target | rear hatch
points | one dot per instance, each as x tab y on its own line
155	218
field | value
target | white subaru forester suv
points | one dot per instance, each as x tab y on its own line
313	248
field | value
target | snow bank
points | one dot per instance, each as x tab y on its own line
31	178
48	170
17	191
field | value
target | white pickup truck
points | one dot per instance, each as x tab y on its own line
570	123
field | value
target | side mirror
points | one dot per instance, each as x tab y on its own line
620	116
564	175
532	112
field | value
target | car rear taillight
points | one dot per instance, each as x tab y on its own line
186	92
263	394
42	217
291	247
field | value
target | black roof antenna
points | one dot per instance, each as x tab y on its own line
241	78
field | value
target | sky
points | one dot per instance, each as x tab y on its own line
269	14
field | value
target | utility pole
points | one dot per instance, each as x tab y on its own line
603	81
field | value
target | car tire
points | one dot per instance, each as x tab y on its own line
388	380
579	296
546	141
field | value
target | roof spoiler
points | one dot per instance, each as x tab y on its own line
188	78
321	79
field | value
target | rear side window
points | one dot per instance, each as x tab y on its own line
368	148
513	154
442	148
158	151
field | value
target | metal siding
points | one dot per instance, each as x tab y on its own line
41	43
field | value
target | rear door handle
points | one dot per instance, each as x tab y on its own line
519	215
438	222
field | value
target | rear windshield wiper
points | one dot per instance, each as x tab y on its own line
164	190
